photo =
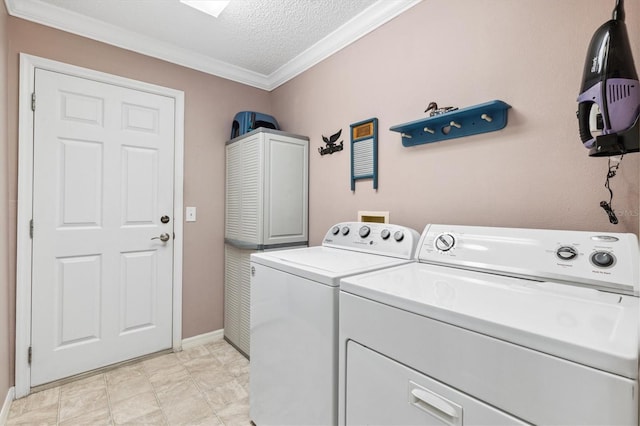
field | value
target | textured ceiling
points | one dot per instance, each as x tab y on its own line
256	39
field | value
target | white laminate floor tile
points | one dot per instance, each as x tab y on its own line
204	385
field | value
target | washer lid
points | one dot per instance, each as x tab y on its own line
325	265
583	325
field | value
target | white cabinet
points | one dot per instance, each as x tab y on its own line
266	207
267	179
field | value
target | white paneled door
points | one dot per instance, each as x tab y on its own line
103	233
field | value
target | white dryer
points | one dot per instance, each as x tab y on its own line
495	326
294	319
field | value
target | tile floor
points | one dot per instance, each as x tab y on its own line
203	385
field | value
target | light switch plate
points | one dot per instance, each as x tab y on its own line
190	215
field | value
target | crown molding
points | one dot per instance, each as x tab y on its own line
371	18
72	22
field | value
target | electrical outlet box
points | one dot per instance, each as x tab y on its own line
376	217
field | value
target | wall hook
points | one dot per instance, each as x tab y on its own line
482	118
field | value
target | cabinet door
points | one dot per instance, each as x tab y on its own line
286	189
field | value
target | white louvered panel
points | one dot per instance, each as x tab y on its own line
251	191
363	158
237	298
244	272
233	193
232	283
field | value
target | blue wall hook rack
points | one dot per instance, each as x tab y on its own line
482	118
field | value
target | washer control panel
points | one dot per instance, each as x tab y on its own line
380	238
607	261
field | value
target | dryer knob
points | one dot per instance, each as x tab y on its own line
567	253
603	259
345	230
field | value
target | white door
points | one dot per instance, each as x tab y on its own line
103	190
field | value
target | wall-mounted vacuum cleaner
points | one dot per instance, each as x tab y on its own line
609	101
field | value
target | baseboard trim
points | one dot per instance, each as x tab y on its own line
202	339
4	413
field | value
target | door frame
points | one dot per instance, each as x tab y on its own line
28	65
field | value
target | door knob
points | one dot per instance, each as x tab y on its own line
163	237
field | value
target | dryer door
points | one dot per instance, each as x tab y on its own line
397	395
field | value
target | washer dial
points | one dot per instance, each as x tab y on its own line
345	230
445	242
365	231
398	236
385	234
335	230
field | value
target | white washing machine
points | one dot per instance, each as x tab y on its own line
495	326
294	319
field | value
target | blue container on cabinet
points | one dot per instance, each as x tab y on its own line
246	121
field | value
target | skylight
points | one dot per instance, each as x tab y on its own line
210	7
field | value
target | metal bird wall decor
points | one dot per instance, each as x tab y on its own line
331	144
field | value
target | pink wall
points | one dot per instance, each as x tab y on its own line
533	173
457	52
6	345
210	104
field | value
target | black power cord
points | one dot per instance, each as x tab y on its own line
608	207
